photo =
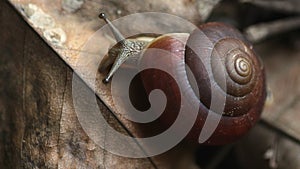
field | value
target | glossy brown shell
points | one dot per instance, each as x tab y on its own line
218	46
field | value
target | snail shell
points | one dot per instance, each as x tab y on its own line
220	47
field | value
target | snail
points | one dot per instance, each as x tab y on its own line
217	45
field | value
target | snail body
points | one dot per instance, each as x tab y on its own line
235	73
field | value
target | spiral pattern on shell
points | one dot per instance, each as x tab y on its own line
243	70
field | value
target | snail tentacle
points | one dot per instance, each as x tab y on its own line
127	49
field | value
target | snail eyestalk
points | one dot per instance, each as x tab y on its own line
118	36
127	49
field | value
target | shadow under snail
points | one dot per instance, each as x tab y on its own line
244	91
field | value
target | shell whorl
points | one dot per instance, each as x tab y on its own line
236	71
